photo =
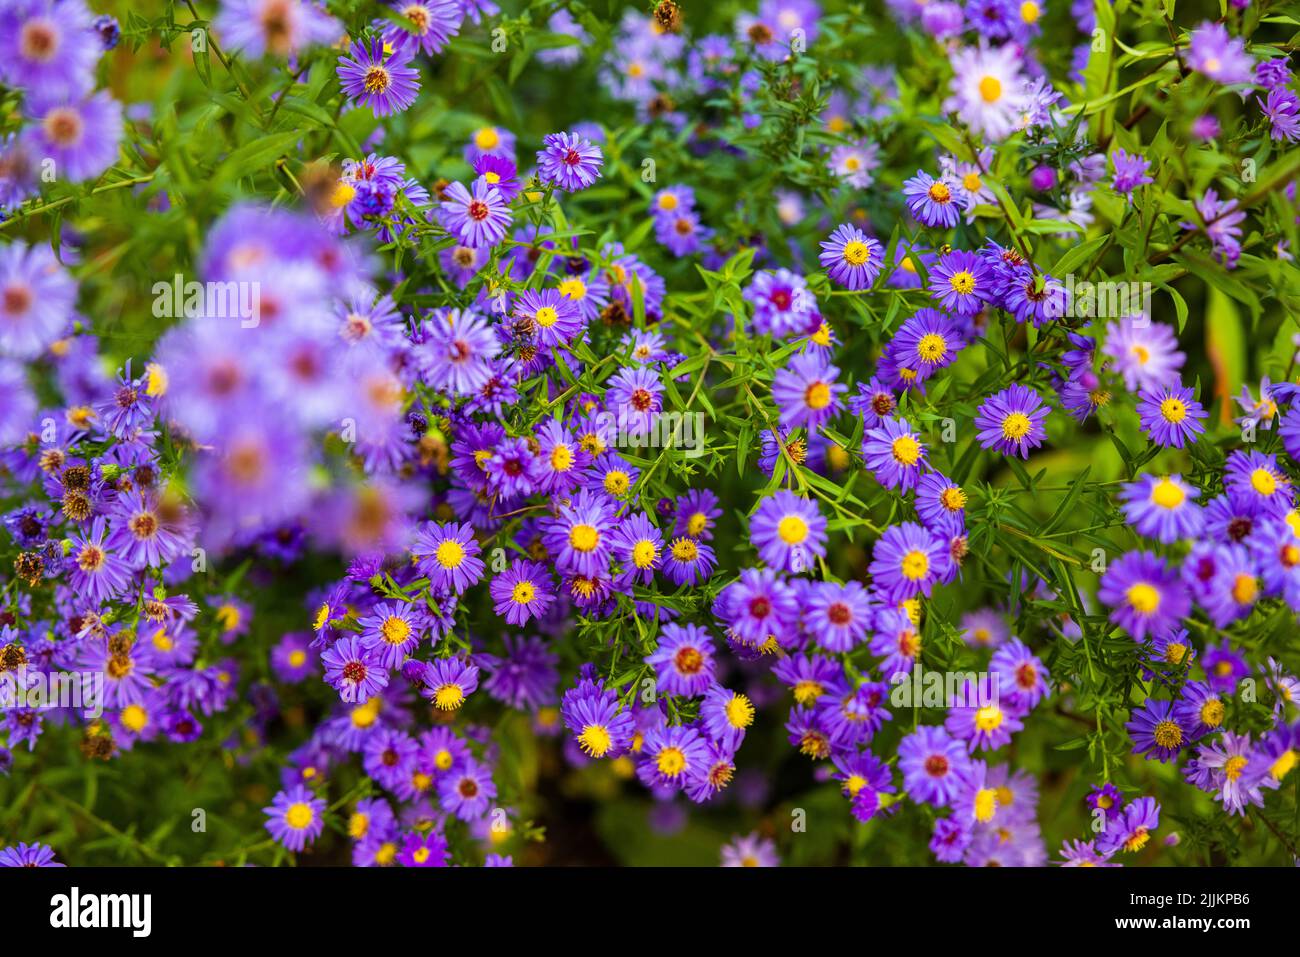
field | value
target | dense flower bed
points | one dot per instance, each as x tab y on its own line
441	434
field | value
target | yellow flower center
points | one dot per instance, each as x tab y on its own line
573	288
450	554
449	697
561	458
939	192
547	317
299	816
395	630
953	498
523	593
1263	481
1168	734
584	538
932	347
991	89
1016	426
644	553
915	565
988	718
818	396
671	762
595	740
1143	598
134	718
1173	410
740	711
1167	493
685	550
906	450
855	253
986	803
792	530
962	283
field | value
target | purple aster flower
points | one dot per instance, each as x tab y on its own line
639	546
927	341
145	534
950	840
383	82
758	606
1022	678
80	137
1156	731
548	317
93	570
1224	667
806	391
852	258
1170	417
1130	172
1131	830
908	560
985	721
568	161
1162	508
932	763
1011	421
281	28
455	351
688	561
894	454
750	851
593	715
353	670
1279	753
634	396
580	538
940	502
961	283
1219	56
37	298
28	855
48	47
782	302
1145	353
671	755
467	793
449	681
725	715
931	201
429	25
837	617
789	532
500	172
1234	589
391	631
697	512
522	591
896	640
683	660
853	718
1144	594
295	818
419	850
1257	485
478	218
1237	771
448	555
